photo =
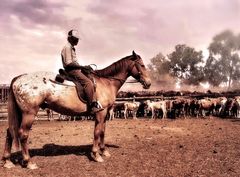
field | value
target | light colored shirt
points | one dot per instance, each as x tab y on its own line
68	54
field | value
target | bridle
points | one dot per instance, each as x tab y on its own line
137	64
122	81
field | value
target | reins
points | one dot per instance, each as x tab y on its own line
122	81
132	81
108	77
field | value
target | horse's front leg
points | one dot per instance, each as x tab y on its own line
103	148
99	134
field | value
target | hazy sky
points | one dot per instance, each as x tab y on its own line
33	32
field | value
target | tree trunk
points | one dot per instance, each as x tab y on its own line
230	78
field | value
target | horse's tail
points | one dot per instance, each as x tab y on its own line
14	115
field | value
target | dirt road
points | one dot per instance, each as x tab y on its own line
169	148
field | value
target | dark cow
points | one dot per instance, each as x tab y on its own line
116	110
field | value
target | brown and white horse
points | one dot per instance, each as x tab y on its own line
29	92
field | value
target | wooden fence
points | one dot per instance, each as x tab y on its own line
42	114
4	90
3	111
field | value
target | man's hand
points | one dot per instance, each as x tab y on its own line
72	66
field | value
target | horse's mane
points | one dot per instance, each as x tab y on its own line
114	68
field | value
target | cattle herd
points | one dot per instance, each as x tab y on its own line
175	107
169	105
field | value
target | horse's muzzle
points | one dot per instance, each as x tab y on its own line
146	84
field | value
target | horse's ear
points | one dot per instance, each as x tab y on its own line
134	55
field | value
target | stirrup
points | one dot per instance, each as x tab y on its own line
96	107
99	105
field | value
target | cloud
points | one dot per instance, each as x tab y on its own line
33	32
30	34
150	28
164	22
32	13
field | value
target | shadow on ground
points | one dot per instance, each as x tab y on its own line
58	150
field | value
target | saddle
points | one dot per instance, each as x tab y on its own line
63	75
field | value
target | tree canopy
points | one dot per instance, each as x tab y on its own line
223	64
187	65
184	64
158	67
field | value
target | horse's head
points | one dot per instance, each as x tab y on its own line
139	71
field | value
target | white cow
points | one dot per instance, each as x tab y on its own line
153	106
131	107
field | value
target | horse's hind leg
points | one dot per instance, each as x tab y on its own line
7	151
25	127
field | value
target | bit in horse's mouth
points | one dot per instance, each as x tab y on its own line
145	85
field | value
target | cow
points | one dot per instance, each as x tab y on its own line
131	108
116	110
237	106
111	113
219	104
214	106
49	114
207	105
178	107
227	109
155	106
231	107
169	106
194	107
141	112
62	117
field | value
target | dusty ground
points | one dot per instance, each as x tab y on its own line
177	148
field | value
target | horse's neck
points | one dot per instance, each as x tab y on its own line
118	80
116	73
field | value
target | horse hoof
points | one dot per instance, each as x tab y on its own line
8	164
106	153
97	157
32	166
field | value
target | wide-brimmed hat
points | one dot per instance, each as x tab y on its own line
74	33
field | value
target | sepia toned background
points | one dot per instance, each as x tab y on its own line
32	33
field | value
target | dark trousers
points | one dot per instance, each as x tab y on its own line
87	84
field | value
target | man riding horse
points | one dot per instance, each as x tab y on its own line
31	91
72	67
